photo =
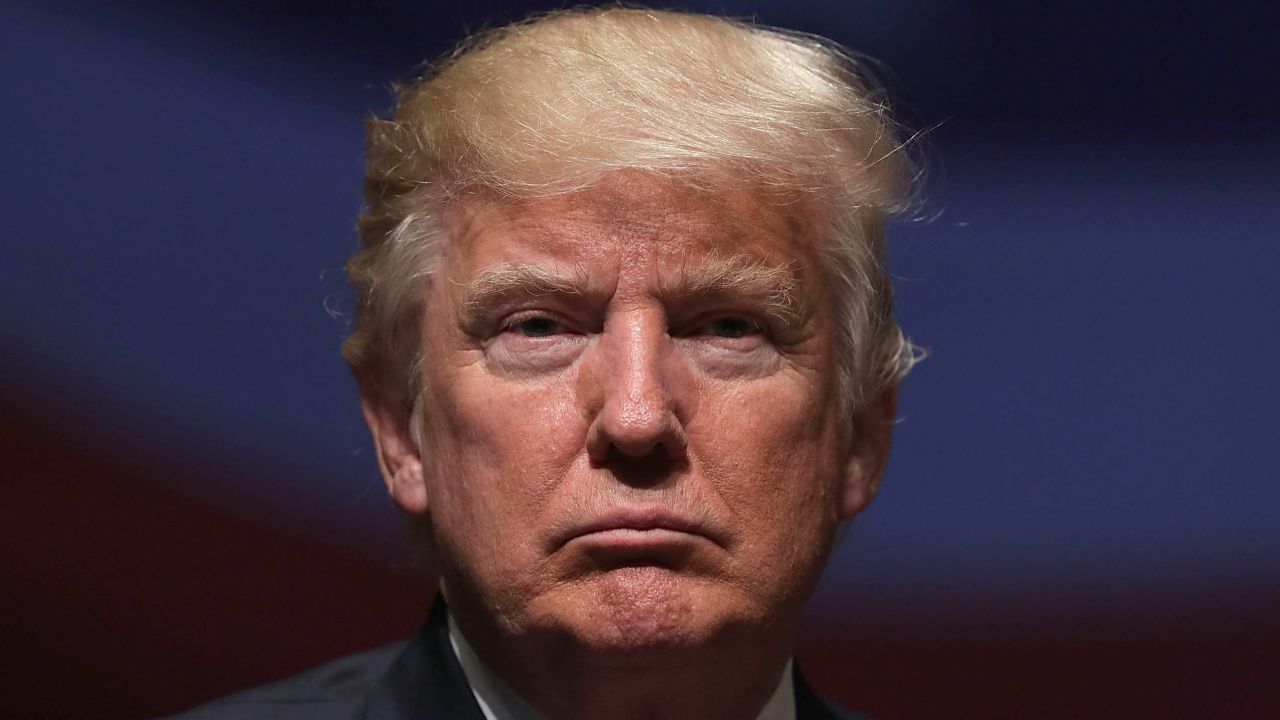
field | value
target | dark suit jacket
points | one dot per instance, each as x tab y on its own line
419	679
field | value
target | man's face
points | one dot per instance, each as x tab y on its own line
630	434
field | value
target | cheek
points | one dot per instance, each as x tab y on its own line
495	450
773	465
498	451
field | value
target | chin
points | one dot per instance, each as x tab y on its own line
633	612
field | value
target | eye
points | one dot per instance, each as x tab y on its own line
731	327
536	326
530	342
726	345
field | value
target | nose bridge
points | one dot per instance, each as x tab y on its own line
638	414
641	393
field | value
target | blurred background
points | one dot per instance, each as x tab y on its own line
1081	515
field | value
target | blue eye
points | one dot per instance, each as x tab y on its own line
535	327
732	327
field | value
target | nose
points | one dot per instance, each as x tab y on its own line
636	413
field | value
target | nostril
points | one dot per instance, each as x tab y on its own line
648	470
611	442
658	435
635	446
635	431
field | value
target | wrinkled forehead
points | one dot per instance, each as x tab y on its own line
630	217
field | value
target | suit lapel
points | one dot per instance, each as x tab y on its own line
425	682
812	706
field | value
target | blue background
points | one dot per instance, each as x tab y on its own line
1095	432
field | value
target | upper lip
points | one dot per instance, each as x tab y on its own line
640	518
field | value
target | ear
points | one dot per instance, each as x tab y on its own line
868	452
399	457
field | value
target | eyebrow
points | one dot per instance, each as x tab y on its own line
772	286
499	282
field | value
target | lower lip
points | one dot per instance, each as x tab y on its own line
628	535
636	541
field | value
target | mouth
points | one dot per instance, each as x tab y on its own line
630	534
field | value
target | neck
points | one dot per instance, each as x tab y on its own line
734	678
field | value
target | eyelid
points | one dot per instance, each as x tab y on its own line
702	320
510	322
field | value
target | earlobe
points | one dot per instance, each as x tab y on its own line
398	455
868	453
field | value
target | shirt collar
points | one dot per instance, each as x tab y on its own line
499	702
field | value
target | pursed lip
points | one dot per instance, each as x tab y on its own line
639	519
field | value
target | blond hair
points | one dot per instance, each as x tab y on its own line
547	106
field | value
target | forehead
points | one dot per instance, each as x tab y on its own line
628	219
